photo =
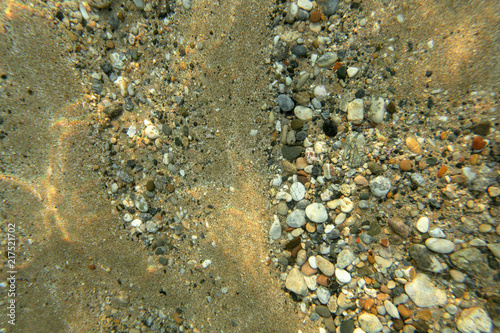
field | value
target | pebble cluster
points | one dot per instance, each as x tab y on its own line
386	206
383	226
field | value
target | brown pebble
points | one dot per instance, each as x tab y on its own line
92	267
398	324
442	171
150	186
384	242
369	304
404	311
474	158
391	107
384	289
300	163
307	270
170	188
371	260
322	279
400	227
458	179
110	44
405	165
177	318
315	16
478	143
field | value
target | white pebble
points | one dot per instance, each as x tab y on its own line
206	263
423	224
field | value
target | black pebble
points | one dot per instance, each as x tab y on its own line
360	93
299	50
430	102
342	72
428	73
60	16
106	68
330	128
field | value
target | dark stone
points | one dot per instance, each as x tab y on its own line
301	136
330	128
342	73
163	261
347	326
113	110
297	124
299	50
166	129
421	255
129	105
481	128
114	22
391	108
323	311
59	15
360	93
428	73
150	185
430	102
302	15
291	152
106	67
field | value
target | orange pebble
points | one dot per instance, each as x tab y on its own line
442	171
478	143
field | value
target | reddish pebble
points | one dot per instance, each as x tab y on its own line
92	267
322	279
442	171
315	16
404	311
369	304
384	242
478	143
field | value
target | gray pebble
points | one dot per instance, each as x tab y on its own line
418	179
141	204
285	102
380	186
125	176
296	219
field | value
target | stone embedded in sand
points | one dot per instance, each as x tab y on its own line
400	227
295	282
474	320
424	293
370	323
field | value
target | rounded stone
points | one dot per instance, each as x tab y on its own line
325	266
342	276
327	59
423	224
474	320
295	282
285	103
391	309
316	212
303	113
370	323
296	219
150	186
298	191
405	165
440	245
380	186
323	295
345	258
152	132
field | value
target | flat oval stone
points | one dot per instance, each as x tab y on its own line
423	224
342	275
327	59
303	113
440	245
316	212
325	266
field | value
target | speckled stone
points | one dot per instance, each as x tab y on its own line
424	293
